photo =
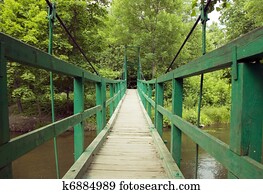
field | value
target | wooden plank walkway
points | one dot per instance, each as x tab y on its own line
129	151
128	147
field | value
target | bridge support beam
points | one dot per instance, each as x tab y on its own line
159	101
101	100
5	172
177	109
246	111
78	108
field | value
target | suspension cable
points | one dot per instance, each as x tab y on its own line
72	38
187	37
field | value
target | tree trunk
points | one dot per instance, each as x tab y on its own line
39	108
18	99
19	105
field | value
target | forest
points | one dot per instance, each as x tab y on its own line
103	28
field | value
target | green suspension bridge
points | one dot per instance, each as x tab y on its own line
129	144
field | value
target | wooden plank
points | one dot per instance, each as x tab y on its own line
80	166
168	162
127	167
110	174
129	151
123	160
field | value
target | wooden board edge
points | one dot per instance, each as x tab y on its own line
78	169
169	164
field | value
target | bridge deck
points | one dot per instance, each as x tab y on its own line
129	151
129	148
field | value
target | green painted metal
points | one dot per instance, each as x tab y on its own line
79	168
249	47
144	90
112	100
177	109
111	96
246	111
159	101
16	51
51	19
101	100
78	108
243	157
6	170
119	94
25	54
149	106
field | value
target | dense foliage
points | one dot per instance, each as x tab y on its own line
103	28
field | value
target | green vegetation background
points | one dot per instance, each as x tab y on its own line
102	28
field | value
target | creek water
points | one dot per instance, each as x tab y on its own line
208	167
40	163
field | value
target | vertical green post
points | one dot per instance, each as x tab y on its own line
159	101
119	92
144	90
122	89
115	102
149	106
78	108
111	95
101	100
5	172
247	111
177	108
51	20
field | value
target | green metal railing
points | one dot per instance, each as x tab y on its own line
11	149
243	156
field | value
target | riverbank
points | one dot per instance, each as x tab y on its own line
23	124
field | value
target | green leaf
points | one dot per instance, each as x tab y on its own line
194	3
218	9
193	13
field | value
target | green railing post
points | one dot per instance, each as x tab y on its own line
122	89
177	109
111	95
78	108
144	90
101	100
119	92
149	106
247	111
159	101
115	102
51	19
5	172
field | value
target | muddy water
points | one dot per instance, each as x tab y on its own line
208	167
40	162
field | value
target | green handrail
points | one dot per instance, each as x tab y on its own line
243	156
16	51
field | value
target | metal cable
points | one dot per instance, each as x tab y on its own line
187	37
72	38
